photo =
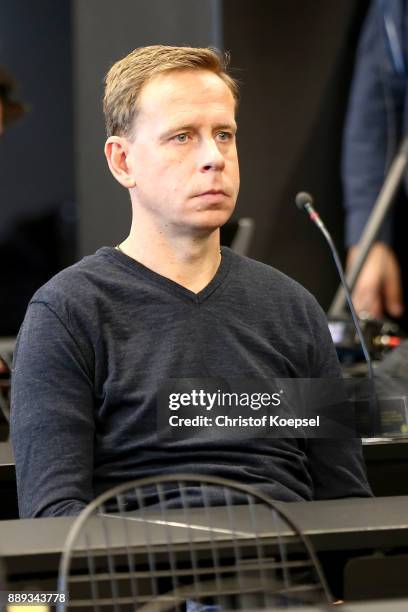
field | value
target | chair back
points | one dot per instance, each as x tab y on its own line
181	542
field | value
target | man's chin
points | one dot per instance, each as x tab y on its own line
210	220
202	223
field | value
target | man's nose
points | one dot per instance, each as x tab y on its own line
211	157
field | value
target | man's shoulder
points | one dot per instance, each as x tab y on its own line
271	281
75	281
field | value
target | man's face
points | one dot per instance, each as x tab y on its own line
183	152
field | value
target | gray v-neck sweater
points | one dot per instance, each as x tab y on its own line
99	337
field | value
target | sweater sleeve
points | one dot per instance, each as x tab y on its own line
336	465
52	423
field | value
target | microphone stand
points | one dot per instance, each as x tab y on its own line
305	201
375	220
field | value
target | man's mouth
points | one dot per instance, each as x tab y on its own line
212	192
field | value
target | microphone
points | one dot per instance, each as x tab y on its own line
304	201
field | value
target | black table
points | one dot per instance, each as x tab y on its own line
8	488
387	466
32	547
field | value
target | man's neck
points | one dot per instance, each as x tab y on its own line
190	261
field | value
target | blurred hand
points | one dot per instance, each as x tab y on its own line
378	289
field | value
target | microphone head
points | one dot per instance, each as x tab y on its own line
302	199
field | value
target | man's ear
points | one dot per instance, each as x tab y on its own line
116	152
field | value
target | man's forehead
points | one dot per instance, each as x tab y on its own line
185	87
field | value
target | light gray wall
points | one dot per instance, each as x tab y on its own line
105	31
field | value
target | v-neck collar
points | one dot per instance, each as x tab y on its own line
169	285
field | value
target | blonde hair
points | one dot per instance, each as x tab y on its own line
126	78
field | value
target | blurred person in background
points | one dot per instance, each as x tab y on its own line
10	109
31	248
376	122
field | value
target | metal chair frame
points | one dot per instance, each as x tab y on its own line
239	565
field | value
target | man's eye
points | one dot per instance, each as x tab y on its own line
181	137
224	136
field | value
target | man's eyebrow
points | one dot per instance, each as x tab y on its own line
227	126
175	129
191	127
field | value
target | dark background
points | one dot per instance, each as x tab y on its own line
37	163
58	199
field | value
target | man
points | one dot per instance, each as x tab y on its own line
167	303
375	125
